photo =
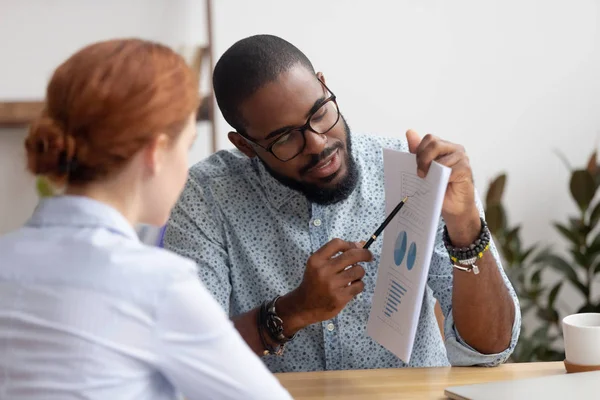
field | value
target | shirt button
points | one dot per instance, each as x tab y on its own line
317	222
330	327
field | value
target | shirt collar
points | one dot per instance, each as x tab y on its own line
76	211
277	193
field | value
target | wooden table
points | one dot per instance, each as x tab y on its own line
405	383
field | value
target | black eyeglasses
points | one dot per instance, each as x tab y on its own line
293	141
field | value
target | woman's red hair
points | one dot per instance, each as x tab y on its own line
104	104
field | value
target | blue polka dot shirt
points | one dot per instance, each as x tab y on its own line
251	237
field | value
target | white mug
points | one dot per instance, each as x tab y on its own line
582	338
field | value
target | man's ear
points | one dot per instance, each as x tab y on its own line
242	144
321	77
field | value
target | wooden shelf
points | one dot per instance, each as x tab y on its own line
15	114
19	113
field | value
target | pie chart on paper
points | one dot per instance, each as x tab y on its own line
411	256
403	252
400	248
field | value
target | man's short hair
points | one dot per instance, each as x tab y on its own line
248	65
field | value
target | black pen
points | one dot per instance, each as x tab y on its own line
385	223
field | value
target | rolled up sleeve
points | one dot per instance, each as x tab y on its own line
440	280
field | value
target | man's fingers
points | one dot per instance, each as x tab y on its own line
450	160
333	247
353	289
430	150
427	139
351	274
413	139
461	171
351	257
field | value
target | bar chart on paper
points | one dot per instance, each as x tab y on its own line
394	297
396	303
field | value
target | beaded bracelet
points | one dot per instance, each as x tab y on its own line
467	256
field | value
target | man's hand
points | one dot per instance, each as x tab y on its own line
459	209
331	279
328	285
482	308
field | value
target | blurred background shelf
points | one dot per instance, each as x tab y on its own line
19	113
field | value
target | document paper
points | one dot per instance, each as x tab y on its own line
408	243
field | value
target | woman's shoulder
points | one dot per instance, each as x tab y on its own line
162	265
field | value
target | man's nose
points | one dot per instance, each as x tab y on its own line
315	142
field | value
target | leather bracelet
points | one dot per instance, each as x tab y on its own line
267	349
269	321
274	324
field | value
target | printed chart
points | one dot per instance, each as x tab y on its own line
397	302
408	243
401	255
394	297
414	212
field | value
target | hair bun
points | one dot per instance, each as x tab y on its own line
48	147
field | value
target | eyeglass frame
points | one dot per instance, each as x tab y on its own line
302	129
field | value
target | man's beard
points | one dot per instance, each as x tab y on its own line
323	195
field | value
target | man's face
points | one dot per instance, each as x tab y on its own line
324	171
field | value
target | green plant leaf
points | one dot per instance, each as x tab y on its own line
597	269
594	247
581	259
512	243
495	191
547	314
566	269
524	351
509	255
541	255
515	274
553	293
536	346
536	278
534	293
526	254
548	354
558	263
582	187
552	338
595	216
525	308
592	166
513	234
534	251
587	308
573	237
541	333
496	218
578	226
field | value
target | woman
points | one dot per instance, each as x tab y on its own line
86	310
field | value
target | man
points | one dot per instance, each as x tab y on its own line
282	215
